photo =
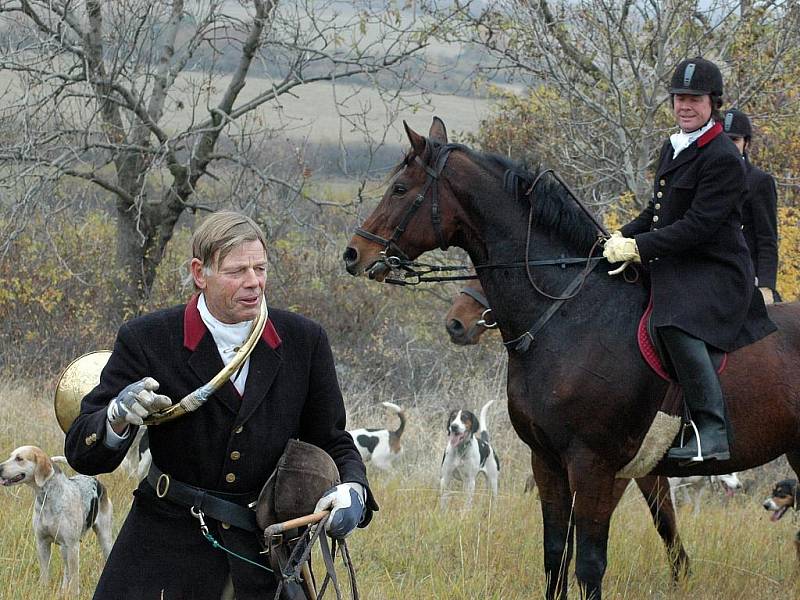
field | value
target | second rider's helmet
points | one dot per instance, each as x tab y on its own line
737	124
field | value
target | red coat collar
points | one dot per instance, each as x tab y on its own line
194	329
709	135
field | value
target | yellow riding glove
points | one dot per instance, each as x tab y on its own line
621	249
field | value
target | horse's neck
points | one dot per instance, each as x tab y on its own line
498	233
517	305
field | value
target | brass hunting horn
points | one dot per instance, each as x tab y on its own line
83	374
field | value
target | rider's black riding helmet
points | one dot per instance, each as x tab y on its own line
696	76
737	124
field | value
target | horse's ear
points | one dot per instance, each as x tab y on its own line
417	141
438	131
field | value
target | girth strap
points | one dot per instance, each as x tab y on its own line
210	502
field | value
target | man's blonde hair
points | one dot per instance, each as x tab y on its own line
220	233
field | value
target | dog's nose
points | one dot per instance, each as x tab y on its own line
767	504
350	258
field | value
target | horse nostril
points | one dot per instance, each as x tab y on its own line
350	255
455	327
350	258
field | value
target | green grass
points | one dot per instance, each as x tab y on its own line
412	550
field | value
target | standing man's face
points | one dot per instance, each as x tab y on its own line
234	289
691	112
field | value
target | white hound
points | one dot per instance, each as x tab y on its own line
468	453
64	509
381	446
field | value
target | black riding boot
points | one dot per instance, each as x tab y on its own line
703	395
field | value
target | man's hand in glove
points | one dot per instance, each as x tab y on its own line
134	403
346	502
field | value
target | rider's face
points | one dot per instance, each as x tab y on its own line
691	112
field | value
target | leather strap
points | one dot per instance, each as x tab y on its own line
212	503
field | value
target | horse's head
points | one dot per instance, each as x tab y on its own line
469	316
416	213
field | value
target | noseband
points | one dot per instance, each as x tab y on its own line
481	299
390	245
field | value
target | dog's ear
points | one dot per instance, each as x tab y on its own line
43	468
475	425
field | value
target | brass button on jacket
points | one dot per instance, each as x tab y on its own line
90	439
660	195
239	429
230	477
662	182
658	205
235	455
655	219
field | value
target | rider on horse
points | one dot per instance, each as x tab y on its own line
690	239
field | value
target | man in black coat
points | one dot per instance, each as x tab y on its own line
760	209
690	238
227	448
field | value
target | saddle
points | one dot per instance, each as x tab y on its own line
656	356
303	474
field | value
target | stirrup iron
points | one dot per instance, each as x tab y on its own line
699	456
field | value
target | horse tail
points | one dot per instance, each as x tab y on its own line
482	420
398	410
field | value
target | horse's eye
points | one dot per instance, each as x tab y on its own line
399	189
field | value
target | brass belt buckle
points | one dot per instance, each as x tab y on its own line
165	478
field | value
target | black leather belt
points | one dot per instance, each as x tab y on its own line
209	502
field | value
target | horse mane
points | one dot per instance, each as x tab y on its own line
553	207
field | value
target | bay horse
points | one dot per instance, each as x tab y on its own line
579	393
468	318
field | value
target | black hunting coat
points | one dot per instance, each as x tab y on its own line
690	238
760	223
230	444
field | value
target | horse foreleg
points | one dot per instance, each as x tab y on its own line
656	492
597	493
556	504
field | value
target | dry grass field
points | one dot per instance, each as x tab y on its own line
413	551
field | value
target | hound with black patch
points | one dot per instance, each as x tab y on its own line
381	446
785	495
468	453
65	508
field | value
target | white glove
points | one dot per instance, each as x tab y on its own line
621	249
769	298
136	402
346	502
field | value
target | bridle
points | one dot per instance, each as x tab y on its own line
442	153
484	302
